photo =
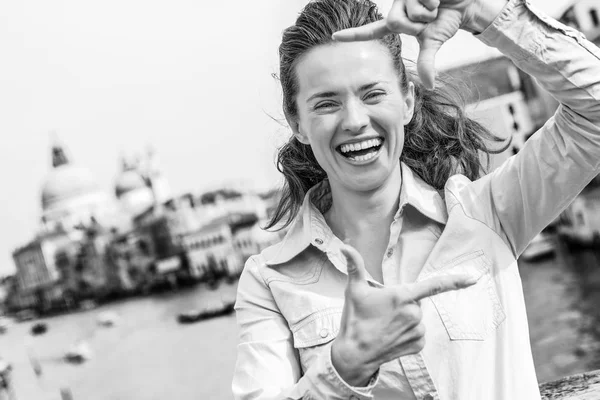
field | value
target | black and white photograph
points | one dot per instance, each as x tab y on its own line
300	199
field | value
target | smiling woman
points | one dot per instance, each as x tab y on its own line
427	301
323	79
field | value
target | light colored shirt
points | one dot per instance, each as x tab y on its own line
290	297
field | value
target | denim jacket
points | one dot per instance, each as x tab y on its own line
290	297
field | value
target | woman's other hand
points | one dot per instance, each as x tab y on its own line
381	324
432	22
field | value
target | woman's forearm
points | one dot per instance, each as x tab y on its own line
486	12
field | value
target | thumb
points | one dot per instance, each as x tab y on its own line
354	264
426	61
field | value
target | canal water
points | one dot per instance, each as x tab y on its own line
148	355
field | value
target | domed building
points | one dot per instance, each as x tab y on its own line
132	190
70	196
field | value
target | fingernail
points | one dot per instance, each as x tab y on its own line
471	280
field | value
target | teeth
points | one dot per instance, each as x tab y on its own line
361	145
364	157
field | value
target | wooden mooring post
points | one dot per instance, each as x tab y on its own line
584	386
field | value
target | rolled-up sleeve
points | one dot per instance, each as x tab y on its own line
530	189
268	366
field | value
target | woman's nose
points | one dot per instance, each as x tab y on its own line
355	117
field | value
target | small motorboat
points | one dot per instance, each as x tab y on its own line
107	319
541	246
5	323
78	353
39	328
208	311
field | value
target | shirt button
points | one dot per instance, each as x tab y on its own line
390	252
318	241
324	333
428	397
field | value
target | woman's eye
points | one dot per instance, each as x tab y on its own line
326	105
374	95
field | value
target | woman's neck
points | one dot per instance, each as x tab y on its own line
354	214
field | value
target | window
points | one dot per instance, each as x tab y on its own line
594	15
579	217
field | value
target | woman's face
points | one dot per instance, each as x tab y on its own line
352	112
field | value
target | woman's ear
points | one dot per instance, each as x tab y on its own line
295	126
409	103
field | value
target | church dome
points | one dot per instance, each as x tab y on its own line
128	181
66	182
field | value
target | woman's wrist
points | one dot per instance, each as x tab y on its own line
487	12
349	367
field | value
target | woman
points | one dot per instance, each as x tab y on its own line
427	303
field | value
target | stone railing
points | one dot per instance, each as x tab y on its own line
576	387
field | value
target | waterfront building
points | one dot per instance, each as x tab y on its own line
71	198
6	287
209	251
72	203
91	245
132	189
66	258
583	15
38	281
251	239
131	258
508	101
228	201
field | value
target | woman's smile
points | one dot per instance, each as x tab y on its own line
360	152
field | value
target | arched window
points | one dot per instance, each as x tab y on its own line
594	16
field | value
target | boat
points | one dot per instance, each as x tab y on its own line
78	353
210	310
107	319
579	224
39	328
541	246
5	323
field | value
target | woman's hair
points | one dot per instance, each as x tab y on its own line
439	140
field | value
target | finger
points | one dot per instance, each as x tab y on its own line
398	21
374	30
426	62
439	284
355	265
417	12
430	4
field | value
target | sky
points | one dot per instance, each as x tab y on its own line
191	79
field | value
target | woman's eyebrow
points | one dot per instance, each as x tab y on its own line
330	93
321	95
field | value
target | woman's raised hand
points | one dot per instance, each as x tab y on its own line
381	324
432	22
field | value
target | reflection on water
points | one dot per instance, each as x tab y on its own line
148	355
562	295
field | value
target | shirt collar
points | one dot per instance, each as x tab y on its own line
425	198
310	227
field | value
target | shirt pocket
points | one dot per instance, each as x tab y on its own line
474	312
314	334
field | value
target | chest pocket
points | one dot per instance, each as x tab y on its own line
472	313
314	334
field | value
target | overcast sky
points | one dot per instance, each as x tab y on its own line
191	78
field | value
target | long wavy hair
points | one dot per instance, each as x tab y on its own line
440	140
